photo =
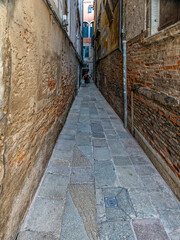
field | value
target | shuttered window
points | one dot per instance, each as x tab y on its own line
90	9
169	13
86	51
85	29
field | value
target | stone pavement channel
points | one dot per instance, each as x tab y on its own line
99	183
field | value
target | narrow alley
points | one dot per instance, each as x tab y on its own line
89	120
99	183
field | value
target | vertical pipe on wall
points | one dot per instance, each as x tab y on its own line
122	34
132	113
125	82
120	26
95	29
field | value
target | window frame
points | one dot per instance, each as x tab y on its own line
87	29
90	9
153	26
172	20
85	51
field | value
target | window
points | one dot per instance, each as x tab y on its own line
169	13
89	9
91	29
85	51
85	29
163	13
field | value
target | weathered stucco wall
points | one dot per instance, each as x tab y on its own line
134	16
3	88
40	69
109	62
108	38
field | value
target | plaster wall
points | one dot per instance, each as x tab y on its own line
38	75
134	16
108	38
87	17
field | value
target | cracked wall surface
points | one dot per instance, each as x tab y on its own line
38	74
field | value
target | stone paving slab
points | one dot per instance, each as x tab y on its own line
64	145
150	229
156	183
122	161
142	204
58	168
84	127
119	230
67	137
29	235
61	155
83	139
96	157
105	175
87	151
139	160
164	201
82	175
101	153
170	219
45	216
128	177
174	236
99	143
83	197
98	135
54	187
72	226
79	159
145	170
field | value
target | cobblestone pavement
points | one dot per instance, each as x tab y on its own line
99	183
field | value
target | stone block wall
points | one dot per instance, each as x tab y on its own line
38	75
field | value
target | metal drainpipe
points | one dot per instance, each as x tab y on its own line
120	25
94	62
95	28
125	82
122	35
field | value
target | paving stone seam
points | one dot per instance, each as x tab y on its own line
131	224
39	232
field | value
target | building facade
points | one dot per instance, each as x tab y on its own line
88	32
40	62
152	32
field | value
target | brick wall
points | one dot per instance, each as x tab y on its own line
40	73
109	78
153	76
